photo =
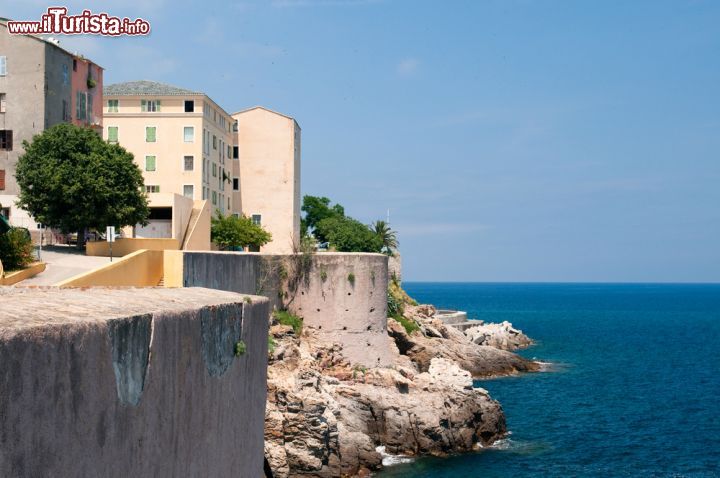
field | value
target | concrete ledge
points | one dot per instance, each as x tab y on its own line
17	276
125	246
116	382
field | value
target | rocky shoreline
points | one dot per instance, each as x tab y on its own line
327	417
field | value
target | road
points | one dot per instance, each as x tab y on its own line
64	262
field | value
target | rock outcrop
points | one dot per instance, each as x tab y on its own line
327	417
502	336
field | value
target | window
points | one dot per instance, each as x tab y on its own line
3	65
214	142
189	106
188	163
236	184
90	107
6	139
228	203
236	152
150	106
214	198
152	188
214	170
189	134
2	182
150	134
189	191
256	219
150	163
112	134
80	106
112	106
66	111
229	151
74	64
65	75
235	126
3	103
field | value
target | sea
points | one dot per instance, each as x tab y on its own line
632	386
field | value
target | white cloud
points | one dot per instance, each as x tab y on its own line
407	67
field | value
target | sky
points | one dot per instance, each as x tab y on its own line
511	140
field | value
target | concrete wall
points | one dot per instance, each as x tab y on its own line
342	295
269	171
197	237
131	382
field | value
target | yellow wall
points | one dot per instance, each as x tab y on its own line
14	277
139	269
269	171
173	268
125	246
197	237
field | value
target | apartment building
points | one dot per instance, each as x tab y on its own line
181	140
266	175
41	84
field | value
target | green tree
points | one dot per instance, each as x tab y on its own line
316	209
346	234
386	235
16	249
71	179
230	232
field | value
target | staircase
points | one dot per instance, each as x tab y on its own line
161	282
194	215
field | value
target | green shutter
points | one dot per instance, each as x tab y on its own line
149	163
113	134
143	105
157	107
150	134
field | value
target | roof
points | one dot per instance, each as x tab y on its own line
266	109
145	87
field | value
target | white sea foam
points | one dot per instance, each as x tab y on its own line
390	460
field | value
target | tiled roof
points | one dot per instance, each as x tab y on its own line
144	87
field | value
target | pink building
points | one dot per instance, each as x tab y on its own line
86	98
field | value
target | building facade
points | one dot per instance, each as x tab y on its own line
38	89
266	179
181	139
185	143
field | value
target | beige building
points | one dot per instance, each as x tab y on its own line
266	175
247	163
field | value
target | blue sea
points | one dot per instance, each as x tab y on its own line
634	388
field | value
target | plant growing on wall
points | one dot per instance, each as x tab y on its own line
230	232
71	179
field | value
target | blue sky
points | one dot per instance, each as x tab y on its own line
512	140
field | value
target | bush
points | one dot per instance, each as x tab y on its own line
230	232
16	249
286	318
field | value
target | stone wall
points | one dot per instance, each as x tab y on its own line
342	295
131	382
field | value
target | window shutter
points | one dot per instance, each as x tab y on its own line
9	140
143	105
2	179
157	103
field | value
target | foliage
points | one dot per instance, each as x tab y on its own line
348	235
240	348
386	235
286	318
271	344
316	209
71	179
16	249
230	232
397	298
351	279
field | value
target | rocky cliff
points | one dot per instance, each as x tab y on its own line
326	417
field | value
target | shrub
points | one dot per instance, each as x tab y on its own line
240	348
16	249
271	344
286	318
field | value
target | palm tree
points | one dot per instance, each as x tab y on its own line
387	235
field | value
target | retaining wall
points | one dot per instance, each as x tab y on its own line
131	382
342	295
